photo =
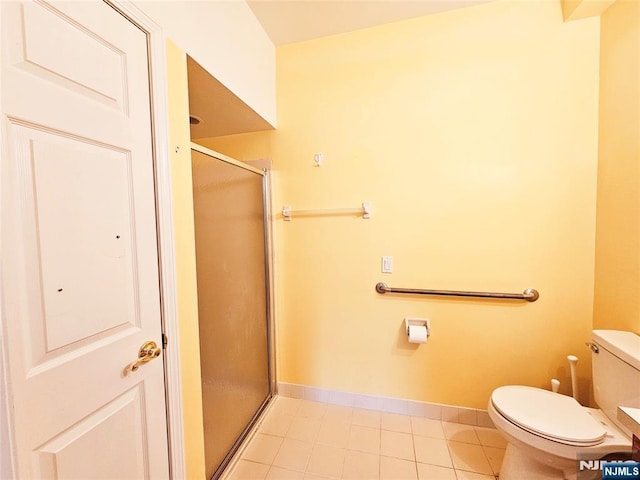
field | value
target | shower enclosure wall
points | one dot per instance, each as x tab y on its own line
230	200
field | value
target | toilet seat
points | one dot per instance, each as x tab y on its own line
549	415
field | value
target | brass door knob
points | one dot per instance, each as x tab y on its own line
148	351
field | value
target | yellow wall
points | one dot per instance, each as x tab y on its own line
473	133
187	300
617	278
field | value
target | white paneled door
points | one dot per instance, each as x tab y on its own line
80	282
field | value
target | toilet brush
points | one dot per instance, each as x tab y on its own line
573	360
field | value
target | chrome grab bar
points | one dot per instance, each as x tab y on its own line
530	294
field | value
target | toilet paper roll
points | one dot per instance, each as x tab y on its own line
417	334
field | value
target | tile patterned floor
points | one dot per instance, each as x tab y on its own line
304	440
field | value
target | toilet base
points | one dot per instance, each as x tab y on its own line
517	465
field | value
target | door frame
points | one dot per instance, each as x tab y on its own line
166	256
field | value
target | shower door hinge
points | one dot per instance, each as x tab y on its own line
165	341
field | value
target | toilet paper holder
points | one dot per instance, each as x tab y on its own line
417	322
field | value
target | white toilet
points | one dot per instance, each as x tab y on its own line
547	433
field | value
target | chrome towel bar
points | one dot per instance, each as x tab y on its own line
365	211
530	294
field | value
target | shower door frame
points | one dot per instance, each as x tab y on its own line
269	297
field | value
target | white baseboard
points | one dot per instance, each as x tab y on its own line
435	411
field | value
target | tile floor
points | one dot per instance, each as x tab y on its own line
304	440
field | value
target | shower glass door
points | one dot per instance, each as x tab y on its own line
231	260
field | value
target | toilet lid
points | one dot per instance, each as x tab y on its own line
550	415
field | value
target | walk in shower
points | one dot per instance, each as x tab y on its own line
230	213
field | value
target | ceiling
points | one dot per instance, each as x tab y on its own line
289	21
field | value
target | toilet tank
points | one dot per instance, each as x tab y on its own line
616	371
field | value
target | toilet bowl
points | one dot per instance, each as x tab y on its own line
548	433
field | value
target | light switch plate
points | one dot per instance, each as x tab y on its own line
387	264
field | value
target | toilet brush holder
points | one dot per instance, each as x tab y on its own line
573	361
